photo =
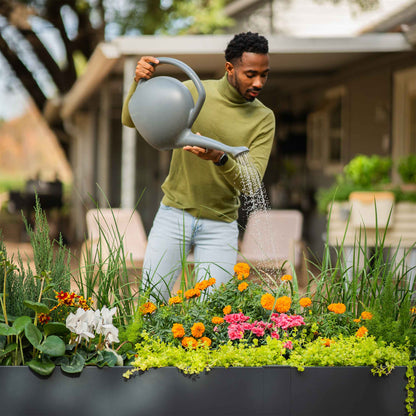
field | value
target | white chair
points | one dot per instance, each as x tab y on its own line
272	237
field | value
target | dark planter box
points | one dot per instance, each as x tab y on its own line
271	391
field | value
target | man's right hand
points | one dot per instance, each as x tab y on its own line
144	69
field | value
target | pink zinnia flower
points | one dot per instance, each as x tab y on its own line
288	345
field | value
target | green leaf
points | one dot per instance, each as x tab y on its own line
20	323
43	367
53	346
74	365
33	334
7	330
55	328
9	348
38	307
106	358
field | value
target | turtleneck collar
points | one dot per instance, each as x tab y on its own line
229	92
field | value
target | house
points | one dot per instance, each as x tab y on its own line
333	97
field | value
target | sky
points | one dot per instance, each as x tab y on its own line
299	19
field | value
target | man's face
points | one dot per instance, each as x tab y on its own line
248	74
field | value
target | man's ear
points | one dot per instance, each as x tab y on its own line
229	67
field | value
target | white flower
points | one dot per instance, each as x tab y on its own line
80	324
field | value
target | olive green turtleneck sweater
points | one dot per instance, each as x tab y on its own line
198	186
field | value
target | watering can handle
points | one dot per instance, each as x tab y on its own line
195	79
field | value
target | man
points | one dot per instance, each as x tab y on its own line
201	192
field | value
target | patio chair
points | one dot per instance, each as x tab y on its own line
111	230
271	237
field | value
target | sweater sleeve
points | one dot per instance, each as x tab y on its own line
125	113
245	173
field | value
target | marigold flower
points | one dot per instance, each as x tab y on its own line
189	342
305	302
267	301
362	332
217	320
286	277
242	286
413	310
242	270
198	329
178	330
366	315
174	300
283	304
327	342
44	318
211	281
227	310
338	308
192	293
202	285
206	341
357	320
147	308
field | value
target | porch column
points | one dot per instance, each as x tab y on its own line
128	147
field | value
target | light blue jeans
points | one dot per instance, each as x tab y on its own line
173	234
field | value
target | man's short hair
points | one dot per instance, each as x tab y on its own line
246	42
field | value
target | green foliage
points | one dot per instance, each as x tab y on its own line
407	169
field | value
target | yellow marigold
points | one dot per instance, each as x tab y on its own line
227	310
189	342
413	310
286	277
178	330
357	320
283	304
147	308
175	299
179	293
362	332
366	315
206	341
192	293
305	302
242	286
217	320
198	328
202	285
242	270
337	308
267	301
211	281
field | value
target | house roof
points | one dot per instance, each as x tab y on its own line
205	54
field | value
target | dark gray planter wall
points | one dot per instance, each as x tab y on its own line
271	391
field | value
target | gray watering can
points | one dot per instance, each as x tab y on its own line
163	111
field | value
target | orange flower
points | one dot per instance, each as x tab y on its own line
211	281
286	277
242	286
202	285
327	342
43	318
198	329
147	308
242	270
366	315
189	342
283	304
178	330
227	310
338	308
267	301
362	332
206	341
357	320
305	302
192	293
175	299
217	320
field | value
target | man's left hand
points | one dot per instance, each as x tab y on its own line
203	153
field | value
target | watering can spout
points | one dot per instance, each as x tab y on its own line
187	138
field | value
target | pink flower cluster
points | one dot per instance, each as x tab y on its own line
238	325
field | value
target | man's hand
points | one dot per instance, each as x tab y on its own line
144	67
203	153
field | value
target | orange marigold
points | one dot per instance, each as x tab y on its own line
337	308
267	301
286	277
362	332
283	304
242	270
178	330
211	281
217	320
357	320
305	302
198	328
147	308
242	286
192	293
327	342
227	310
175	299
202	285
189	342
366	315
206	341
